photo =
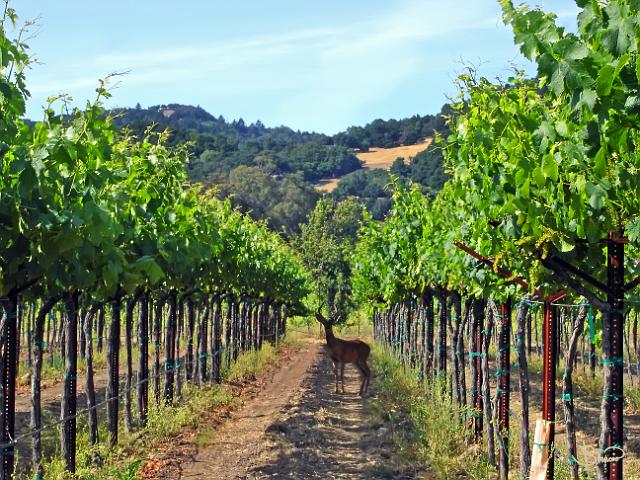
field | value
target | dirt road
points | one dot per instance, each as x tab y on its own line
297	427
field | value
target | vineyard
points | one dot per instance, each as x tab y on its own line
106	247
540	218
509	298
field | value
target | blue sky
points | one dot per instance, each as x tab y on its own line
311	65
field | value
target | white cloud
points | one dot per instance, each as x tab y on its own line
325	72
373	58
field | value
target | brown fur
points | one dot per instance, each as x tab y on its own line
346	351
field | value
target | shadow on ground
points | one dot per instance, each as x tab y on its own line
321	434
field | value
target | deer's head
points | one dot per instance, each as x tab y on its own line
328	323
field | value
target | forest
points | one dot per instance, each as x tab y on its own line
219	145
269	171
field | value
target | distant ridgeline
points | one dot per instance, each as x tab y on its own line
268	172
220	146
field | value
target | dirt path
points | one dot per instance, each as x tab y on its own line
297	427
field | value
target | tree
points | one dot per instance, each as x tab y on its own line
326	243
399	168
283	202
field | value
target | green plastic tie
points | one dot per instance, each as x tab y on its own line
616	361
503	391
615	446
592	326
541	446
566	397
500	373
613	396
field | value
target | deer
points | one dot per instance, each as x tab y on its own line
345	351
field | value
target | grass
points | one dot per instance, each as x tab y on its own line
425	424
379	158
250	364
632	396
384	157
53	365
164	423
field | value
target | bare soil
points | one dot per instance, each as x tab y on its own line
297	427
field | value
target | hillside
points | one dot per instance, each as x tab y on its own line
378	158
273	173
218	145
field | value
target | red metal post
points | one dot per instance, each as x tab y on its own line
550	339
615	297
476	360
504	386
9	384
549	374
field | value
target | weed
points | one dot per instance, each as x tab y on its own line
164	421
426	425
250	364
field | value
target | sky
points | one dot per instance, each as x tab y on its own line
310	65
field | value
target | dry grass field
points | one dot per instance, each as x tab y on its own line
384	157
380	158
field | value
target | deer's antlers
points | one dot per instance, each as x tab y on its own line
335	318
319	315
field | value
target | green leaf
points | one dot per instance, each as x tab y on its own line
604	82
633	229
588	98
557	79
622	62
577	51
550	167
597	196
562	129
600	162
538	177
632	104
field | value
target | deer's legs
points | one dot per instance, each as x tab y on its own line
335	373
367	375
363	377
342	375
